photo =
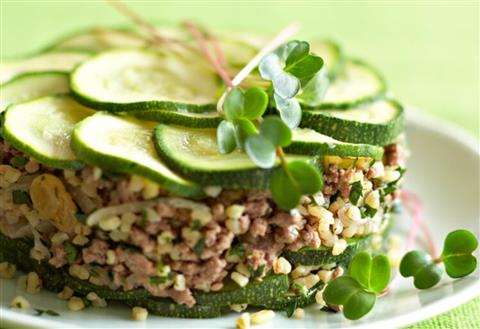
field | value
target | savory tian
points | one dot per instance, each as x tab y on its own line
112	181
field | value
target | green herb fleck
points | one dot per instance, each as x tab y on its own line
40	312
70	252
356	192
198	249
18	162
21	197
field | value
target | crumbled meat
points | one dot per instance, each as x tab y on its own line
218	212
96	252
258	208
202	275
244	221
259	227
142	239
392	155
284	219
286	235
58	259
165	210
344	183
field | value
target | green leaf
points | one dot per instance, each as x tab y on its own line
198	249
255	103
457	253
356	192
237	250
226	137
270	66
421	267
314	90
289	109
71	252
261	151
276	131
243	129
307	178
21	197
284	192
18	162
233	105
286	85
306	68
348	292
297	54
371	273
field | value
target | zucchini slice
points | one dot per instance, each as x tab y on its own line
32	85
377	123
62	61
323	255
122	144
332	55
181	118
356	84
42	128
139	79
194	153
309	142
100	39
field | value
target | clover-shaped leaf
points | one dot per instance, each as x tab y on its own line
288	185
243	129
276	131
261	151
226	137
286	85
457	253
290	110
421	267
346	291
251	104
372	273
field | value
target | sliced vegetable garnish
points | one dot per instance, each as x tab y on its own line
194	153
32	85
378	123
61	61
42	129
128	80
125	145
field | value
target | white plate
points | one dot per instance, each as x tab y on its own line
443	170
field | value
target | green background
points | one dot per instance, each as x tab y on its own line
428	50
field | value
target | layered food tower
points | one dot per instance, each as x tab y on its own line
111	180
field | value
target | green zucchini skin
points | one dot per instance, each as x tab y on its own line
354	131
83	96
115	163
31	85
346	104
342	150
181	118
249	176
61	105
335	59
323	255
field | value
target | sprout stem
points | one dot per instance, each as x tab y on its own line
204	47
276	42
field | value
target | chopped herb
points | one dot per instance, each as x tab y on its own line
391	187
144	219
160	266
367	211
81	217
40	312
291	307
71	252
161	279
21	197
371	163
196	225
237	250
198	249
299	289
356	192
18	162
256	273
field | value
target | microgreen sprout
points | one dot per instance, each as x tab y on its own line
357	291
456	257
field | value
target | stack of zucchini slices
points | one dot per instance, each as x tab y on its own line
106	98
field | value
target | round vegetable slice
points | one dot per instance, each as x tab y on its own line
32	85
332	55
138	79
122	144
194	153
181	118
42	128
378	123
309	142
62	61
357	83
100	39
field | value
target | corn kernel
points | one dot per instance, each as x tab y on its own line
139	313
179	282
150	190
282	266
339	247
75	304
262	316
109	223
240	279
243	322
34	284
299	313
20	302
373	200
7	270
